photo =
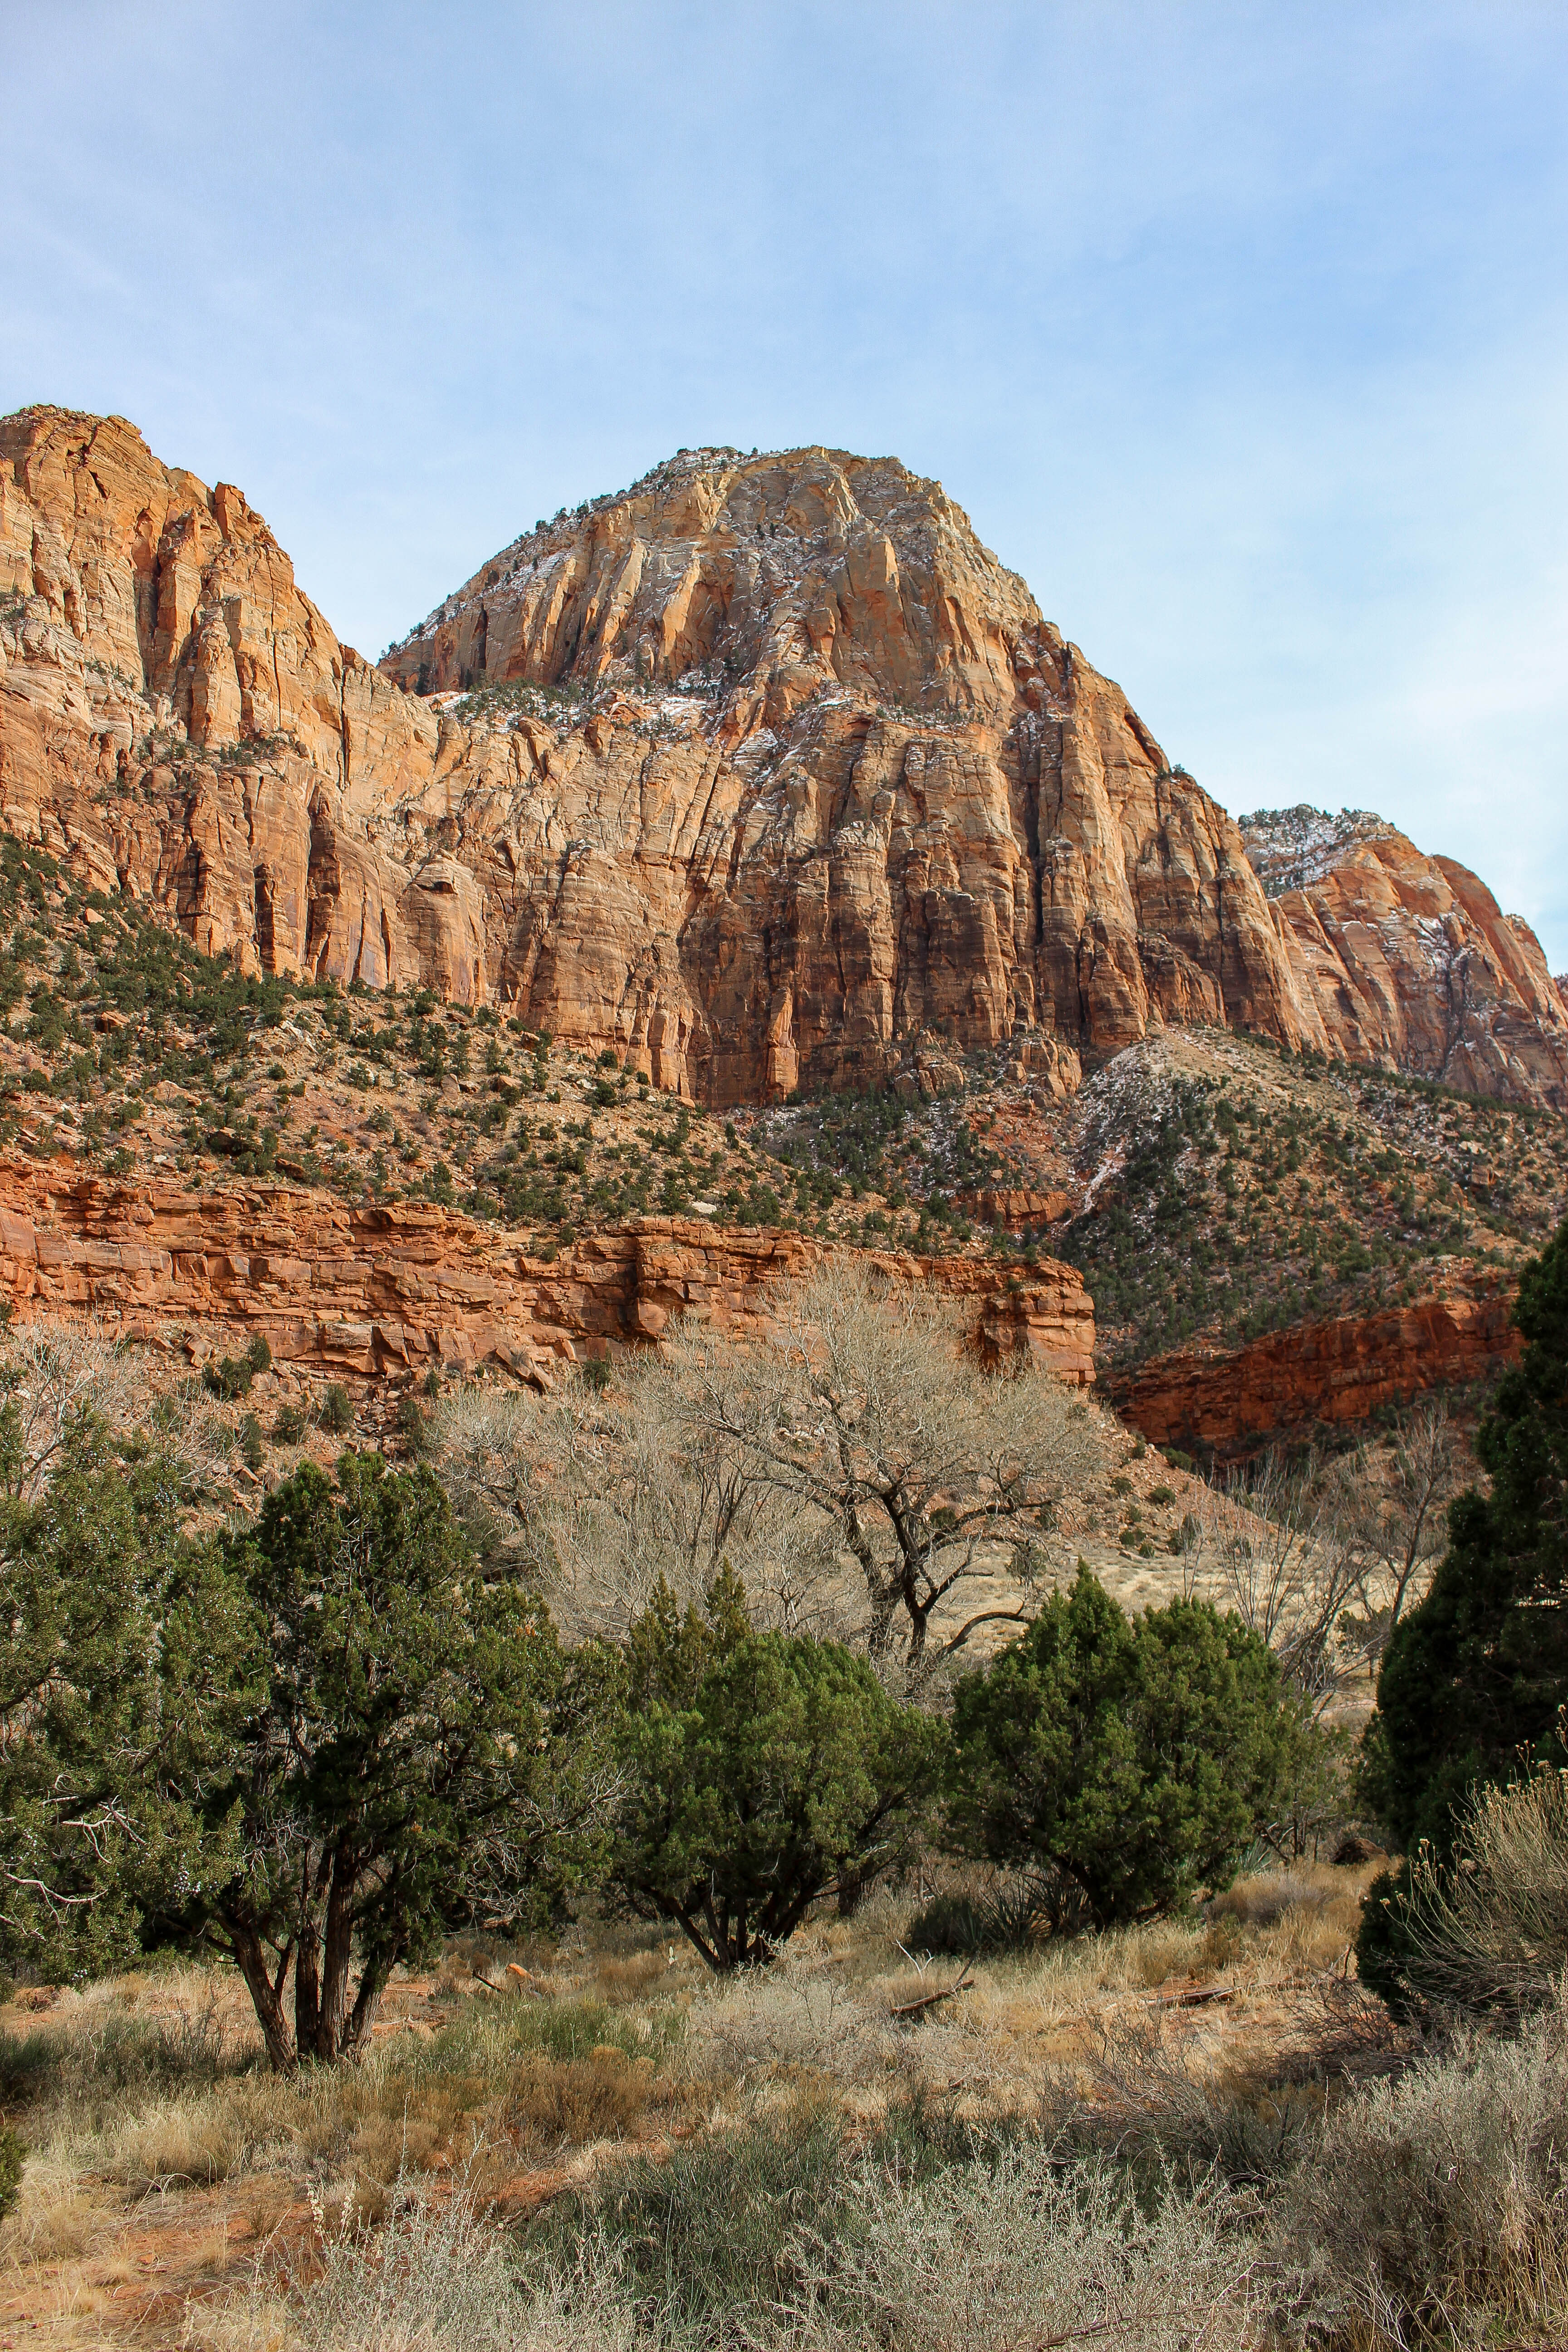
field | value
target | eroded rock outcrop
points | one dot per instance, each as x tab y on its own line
374	1291
920	809
764	772
1335	1372
893	805
1410	957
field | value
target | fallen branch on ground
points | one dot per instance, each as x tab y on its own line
913	2008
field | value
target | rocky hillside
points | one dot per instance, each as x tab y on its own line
764	774
341	1004
382	1186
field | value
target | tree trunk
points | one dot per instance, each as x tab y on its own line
266	1999
307	1988
337	1944
366	2003
884	1600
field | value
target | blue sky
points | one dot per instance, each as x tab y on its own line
1240	330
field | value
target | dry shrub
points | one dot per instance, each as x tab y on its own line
1160	1953
1435	2208
768	2245
554	2102
1024	2250
1175	2090
351	2210
410	2131
797	2020
1312	1942
1263	1899
1159	2098
435	2278
1224	1943
1491	1932
92	2065
1303	1919
53	2219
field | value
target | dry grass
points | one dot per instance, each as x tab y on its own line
1435	2208
1489	1932
631	1977
884	2180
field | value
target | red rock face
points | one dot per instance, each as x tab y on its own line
1334	1372
931	812
1411	959
902	805
373	1291
773	773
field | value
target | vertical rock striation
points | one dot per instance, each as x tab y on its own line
1410	957
762	772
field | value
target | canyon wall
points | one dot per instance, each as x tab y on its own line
759	772
378	1291
1411	958
1330	1373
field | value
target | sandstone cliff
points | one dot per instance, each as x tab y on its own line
760	772
1410	957
893	801
920	807
373	1290
1334	1373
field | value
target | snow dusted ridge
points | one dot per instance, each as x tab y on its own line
1287	849
714	556
1418	964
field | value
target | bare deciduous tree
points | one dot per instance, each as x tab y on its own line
1272	1540
1322	1559
1394	1516
866	1414
857	1447
52	1376
598	1495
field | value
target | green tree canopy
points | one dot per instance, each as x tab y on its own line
1131	1760
407	1743
1476	1672
93	1580
667	1653
1473	1679
790	1767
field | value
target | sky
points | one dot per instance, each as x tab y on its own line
1240	330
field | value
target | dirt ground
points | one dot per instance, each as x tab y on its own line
172	2182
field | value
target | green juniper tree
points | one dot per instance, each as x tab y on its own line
1122	1763
1473	1679
97	1595
782	1767
408	1746
667	1654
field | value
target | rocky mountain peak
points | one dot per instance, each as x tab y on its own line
1290	848
763	774
1420	967
777	575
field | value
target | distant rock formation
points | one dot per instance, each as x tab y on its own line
1331	1374
763	773
1410	957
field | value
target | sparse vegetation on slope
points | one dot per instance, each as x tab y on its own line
1260	1192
